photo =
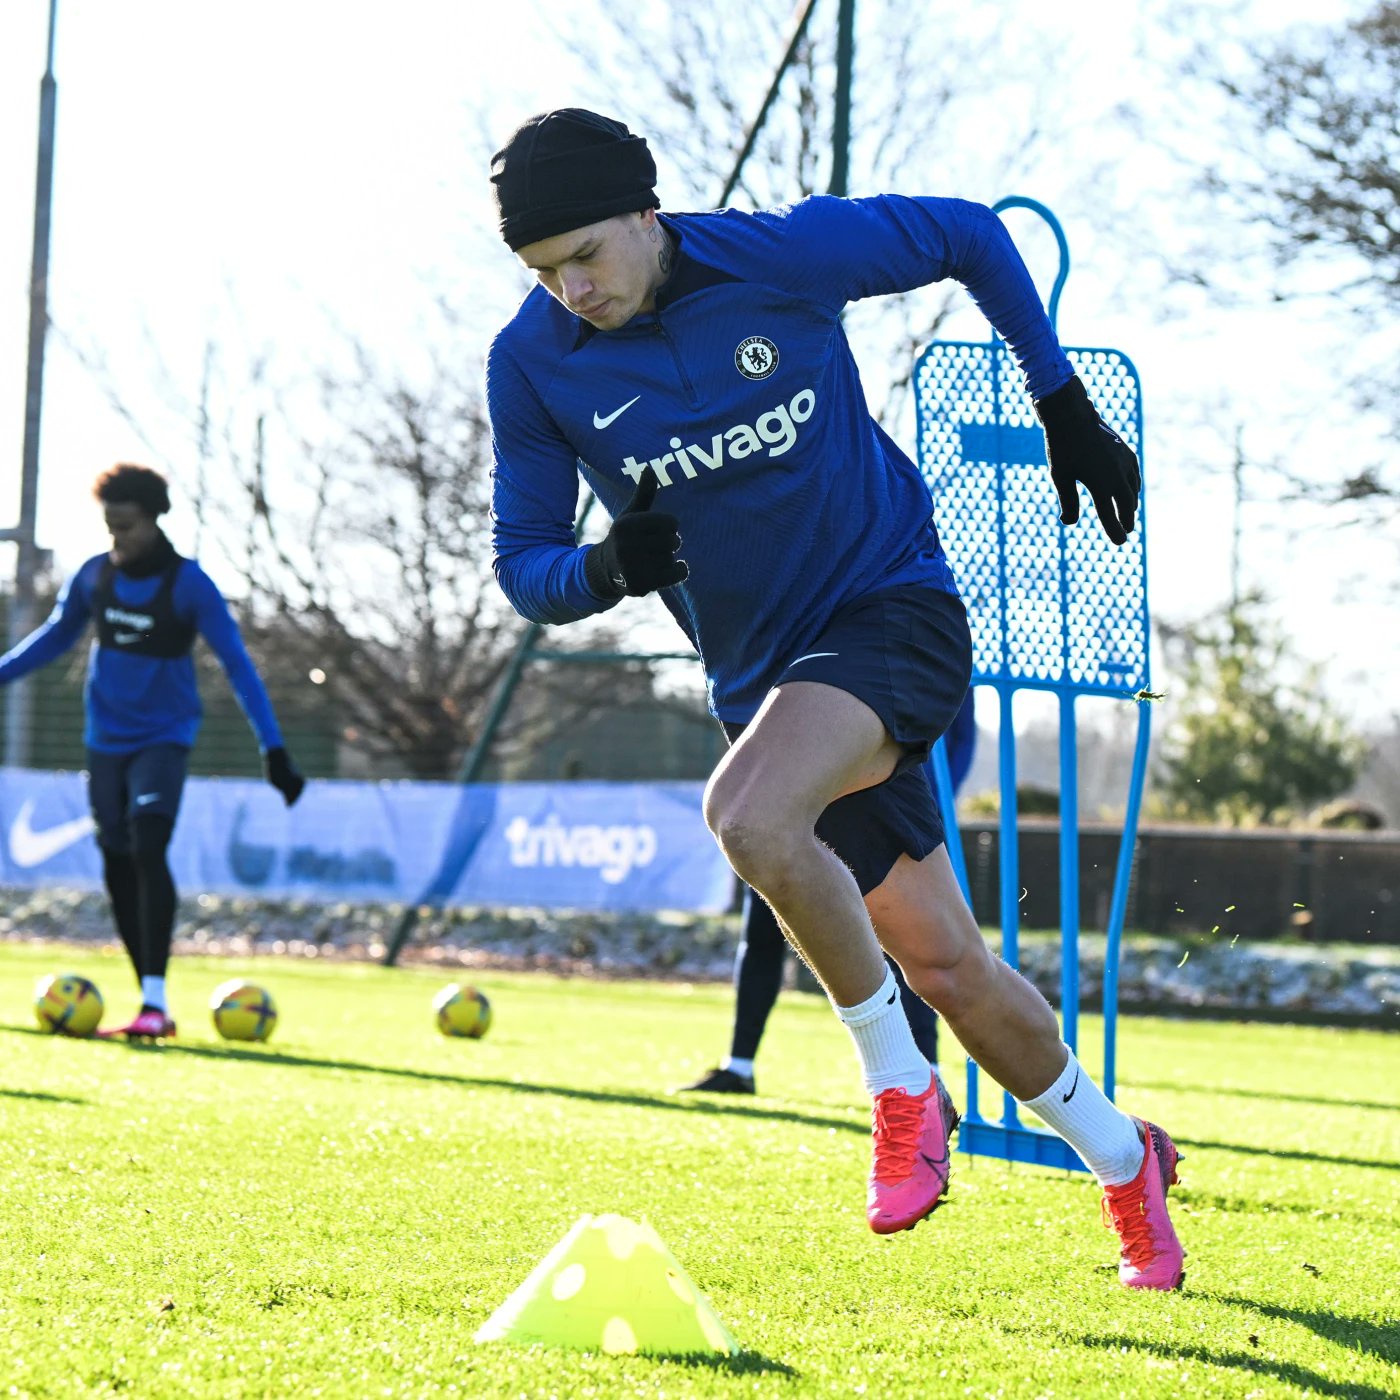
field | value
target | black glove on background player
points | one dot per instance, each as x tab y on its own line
282	773
1082	447
638	554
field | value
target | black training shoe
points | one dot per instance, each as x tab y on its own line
719	1081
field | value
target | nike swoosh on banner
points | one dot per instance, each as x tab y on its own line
811	656
614	415
29	847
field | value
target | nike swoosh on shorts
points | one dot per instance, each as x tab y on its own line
29	847
811	656
614	415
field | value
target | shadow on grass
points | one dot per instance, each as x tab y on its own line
39	1097
1309	1381
1268	1096
1354	1333
1199	1200
670	1102
1290	1154
747	1363
424	1076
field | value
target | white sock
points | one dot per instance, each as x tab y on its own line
744	1067
1104	1136
153	992
889	1059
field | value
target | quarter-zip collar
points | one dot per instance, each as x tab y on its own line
687	277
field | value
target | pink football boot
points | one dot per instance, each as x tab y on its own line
1152	1255
149	1024
910	1172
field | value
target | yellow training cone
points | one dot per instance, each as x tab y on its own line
610	1285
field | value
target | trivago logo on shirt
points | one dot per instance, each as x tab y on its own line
776	429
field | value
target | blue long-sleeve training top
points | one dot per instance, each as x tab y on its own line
741	391
135	701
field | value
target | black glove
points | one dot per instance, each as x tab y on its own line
1082	447
638	554
282	773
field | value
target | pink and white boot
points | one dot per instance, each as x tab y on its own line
1152	1255
909	1176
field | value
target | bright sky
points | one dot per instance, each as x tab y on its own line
275	175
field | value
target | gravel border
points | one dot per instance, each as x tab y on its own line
1193	977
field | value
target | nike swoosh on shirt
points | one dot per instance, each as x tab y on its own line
811	655
147	797
29	847
614	415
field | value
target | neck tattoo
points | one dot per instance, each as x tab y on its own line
666	257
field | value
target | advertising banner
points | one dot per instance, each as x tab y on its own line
603	846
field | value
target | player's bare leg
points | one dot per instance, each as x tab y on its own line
1006	1026
809	745
999	1018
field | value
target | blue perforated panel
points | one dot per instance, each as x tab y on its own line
1049	605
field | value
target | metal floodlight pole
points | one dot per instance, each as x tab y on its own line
841	125
17	700
794	40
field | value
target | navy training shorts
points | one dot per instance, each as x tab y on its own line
145	782
907	654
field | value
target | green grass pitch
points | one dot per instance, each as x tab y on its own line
334	1214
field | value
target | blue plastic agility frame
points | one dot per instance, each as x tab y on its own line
1052	608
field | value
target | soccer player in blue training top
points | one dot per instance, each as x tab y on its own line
143	711
693	369
759	958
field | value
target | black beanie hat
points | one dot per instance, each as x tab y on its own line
567	169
